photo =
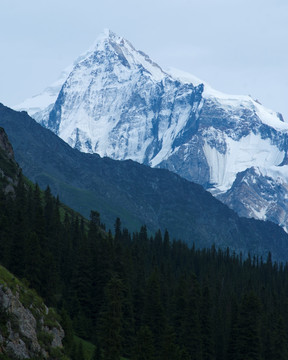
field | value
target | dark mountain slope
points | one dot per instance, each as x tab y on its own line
134	192
156	299
9	170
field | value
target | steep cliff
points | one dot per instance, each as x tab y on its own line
28	328
9	170
117	102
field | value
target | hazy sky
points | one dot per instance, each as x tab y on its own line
238	46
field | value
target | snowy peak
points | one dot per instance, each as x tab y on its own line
110	48
116	92
115	101
260	193
115	49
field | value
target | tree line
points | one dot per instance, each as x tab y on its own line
141	296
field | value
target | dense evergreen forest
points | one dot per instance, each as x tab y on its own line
143	297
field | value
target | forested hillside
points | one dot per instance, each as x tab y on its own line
138	296
135	193
143	297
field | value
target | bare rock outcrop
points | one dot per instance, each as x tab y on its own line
28	329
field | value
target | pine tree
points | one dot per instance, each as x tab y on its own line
80	352
280	343
166	245
101	273
38	214
232	351
96	353
33	261
66	324
128	328
170	351
111	320
249	343
154	316
118	232
192	334
206	325
179	310
144	349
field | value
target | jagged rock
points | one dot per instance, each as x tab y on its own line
15	346
24	328
9	170
5	144
258	195
115	101
57	334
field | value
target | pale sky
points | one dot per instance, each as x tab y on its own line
237	46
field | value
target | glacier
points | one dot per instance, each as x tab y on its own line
115	101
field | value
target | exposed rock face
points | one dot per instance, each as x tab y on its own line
9	170
28	329
116	102
5	144
256	194
24	334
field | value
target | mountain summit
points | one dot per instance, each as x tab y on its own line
118	103
115	101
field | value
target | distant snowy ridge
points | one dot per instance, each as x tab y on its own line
117	102
270	117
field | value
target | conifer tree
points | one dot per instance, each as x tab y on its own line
38	214
18	251
154	316
280	341
101	273
66	324
80	352
179	310
232	349
111	320
33	261
249	344
118	232
192	334
144	349
128	327
170	351
206	325
96	353
166	245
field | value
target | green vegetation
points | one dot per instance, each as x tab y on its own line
135	296
30	300
88	347
8	166
8	279
136	193
28	297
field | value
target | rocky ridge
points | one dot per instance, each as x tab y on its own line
28	329
115	101
9	170
136	193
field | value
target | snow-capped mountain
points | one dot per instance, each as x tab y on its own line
260	195
115	101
